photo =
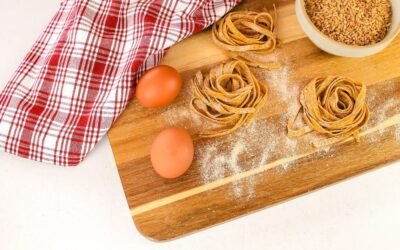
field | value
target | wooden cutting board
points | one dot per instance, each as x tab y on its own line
257	166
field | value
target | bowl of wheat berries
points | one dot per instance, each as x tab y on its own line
350	28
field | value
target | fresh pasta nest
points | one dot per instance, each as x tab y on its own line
334	106
242	31
229	96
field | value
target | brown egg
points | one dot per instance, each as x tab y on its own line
172	152
158	87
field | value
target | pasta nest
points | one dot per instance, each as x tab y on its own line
334	106
229	96
242	31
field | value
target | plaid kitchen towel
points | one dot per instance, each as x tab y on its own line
81	72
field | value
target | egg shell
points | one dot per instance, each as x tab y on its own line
172	152
158	87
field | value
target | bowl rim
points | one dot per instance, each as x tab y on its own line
387	38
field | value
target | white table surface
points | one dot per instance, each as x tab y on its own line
47	207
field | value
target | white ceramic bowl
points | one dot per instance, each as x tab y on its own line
340	49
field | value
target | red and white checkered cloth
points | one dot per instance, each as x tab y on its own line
81	73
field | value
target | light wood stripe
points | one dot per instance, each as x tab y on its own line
212	185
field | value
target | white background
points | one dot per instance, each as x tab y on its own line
47	207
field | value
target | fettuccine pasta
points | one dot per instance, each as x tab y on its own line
247	31
334	106
228	96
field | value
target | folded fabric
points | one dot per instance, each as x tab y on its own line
81	72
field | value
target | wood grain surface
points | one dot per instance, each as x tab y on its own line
270	168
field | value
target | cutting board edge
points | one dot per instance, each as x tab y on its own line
376	167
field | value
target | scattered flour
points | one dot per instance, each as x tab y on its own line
279	81
247	150
261	141
256	142
234	166
387	109
388	106
212	164
291	145
397	132
181	116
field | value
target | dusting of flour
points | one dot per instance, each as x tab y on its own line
265	139
388	108
397	132
251	146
